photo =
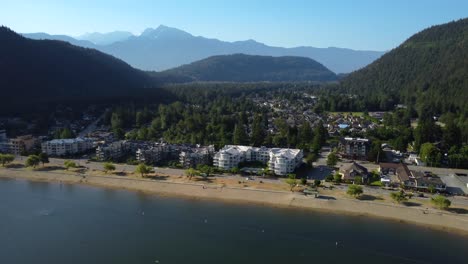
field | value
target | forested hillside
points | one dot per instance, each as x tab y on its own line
428	70
35	71
249	68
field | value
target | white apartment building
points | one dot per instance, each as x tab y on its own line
284	161
280	161
65	147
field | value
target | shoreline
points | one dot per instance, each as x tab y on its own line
429	218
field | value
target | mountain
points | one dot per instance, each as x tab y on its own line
50	70
429	69
76	42
251	68
105	38
165	48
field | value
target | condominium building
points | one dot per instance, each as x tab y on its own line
280	161
111	151
67	147
4	143
22	144
354	148
192	157
154	153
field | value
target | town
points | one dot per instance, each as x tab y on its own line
344	155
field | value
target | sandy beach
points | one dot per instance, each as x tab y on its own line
426	216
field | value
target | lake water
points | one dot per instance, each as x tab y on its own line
53	223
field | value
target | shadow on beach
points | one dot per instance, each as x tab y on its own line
324	197
411	204
204	179
157	177
14	166
367	197
50	168
458	210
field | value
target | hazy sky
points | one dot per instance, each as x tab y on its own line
356	24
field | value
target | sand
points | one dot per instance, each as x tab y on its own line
428	217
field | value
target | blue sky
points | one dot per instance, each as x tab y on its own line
356	24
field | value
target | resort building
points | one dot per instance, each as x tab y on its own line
280	161
67	147
354	148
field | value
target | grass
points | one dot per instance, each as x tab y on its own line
376	183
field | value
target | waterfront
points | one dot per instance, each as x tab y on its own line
60	223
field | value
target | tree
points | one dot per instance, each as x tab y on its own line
69	164
320	137
117	125
291	181
142	169
6	158
317	183
358	180
235	170
258	131
304	181
431	188
310	158
375	152
332	159
430	154
205	170
305	134
354	190
329	178
398	197
239	136
44	158
66	133
441	202
33	161
337	178
108	167
190	173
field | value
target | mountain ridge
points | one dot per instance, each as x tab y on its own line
157	54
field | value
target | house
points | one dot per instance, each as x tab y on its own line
349	172
354	148
394	173
425	181
66	147
279	160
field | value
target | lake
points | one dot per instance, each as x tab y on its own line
54	223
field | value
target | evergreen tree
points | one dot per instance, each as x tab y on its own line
239	137
258	131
